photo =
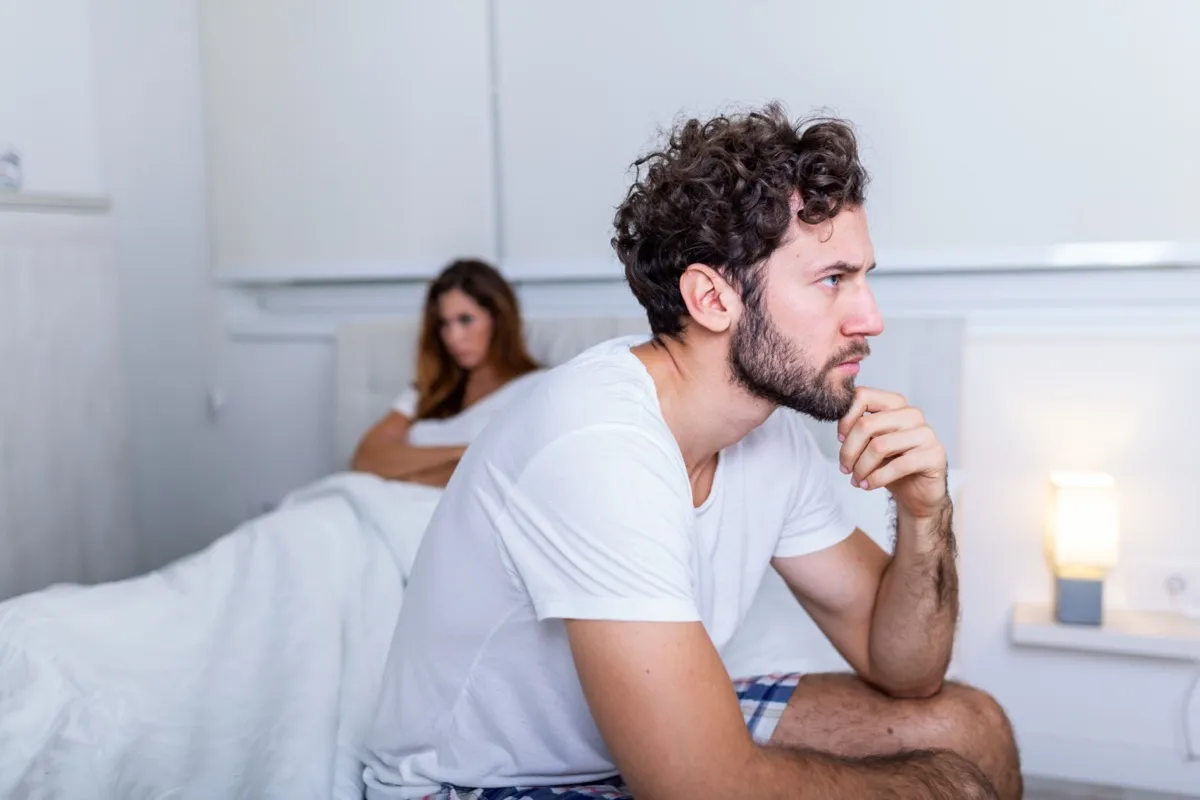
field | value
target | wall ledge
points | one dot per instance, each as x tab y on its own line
1145	634
54	202
1057	258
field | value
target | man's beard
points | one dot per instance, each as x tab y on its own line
770	367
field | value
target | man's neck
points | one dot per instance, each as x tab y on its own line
704	409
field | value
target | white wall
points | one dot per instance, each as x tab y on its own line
985	124
150	117
343	136
46	94
64	471
65	494
364	140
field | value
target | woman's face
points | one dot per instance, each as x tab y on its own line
466	328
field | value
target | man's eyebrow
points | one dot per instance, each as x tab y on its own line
843	268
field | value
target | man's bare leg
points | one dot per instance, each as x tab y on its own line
840	714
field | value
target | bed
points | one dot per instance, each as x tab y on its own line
917	356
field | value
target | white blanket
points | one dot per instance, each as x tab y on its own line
249	669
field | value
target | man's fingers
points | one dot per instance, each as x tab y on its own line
868	401
887	447
911	462
867	428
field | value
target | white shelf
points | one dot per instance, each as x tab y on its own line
1148	634
48	202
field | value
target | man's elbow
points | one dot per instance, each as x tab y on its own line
916	691
913	687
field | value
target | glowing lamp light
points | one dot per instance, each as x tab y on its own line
1082	539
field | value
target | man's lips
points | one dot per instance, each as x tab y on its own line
850	365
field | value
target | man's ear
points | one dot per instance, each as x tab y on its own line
711	302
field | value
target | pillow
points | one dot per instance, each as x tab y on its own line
777	634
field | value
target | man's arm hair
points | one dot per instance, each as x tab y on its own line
891	618
667	710
916	608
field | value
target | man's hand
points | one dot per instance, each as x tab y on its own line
909	632
887	443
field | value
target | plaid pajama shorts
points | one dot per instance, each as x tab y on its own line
763	700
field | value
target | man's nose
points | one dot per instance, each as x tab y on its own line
867	319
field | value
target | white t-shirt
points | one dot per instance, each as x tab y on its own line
577	506
464	426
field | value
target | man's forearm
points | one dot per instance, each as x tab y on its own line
916	607
915	775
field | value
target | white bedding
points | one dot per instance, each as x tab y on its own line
247	670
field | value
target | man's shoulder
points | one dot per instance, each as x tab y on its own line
596	401
605	384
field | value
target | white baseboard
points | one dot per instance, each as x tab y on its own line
1109	764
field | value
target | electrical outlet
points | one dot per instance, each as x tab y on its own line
1157	585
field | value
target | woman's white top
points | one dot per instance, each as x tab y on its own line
463	427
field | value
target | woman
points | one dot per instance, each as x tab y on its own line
471	359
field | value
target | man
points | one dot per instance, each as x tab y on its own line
602	540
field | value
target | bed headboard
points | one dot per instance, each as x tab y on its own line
919	357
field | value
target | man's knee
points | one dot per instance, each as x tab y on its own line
982	732
967	711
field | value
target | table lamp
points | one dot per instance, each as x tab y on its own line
1081	543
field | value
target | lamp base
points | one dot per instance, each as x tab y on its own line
1078	601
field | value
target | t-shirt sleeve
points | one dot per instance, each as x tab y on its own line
406	403
816	520
598	526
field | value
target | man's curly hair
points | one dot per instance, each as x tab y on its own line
719	193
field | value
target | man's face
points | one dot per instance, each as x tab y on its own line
800	337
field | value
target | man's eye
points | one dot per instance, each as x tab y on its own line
835	279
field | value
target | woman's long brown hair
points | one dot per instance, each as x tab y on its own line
441	382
